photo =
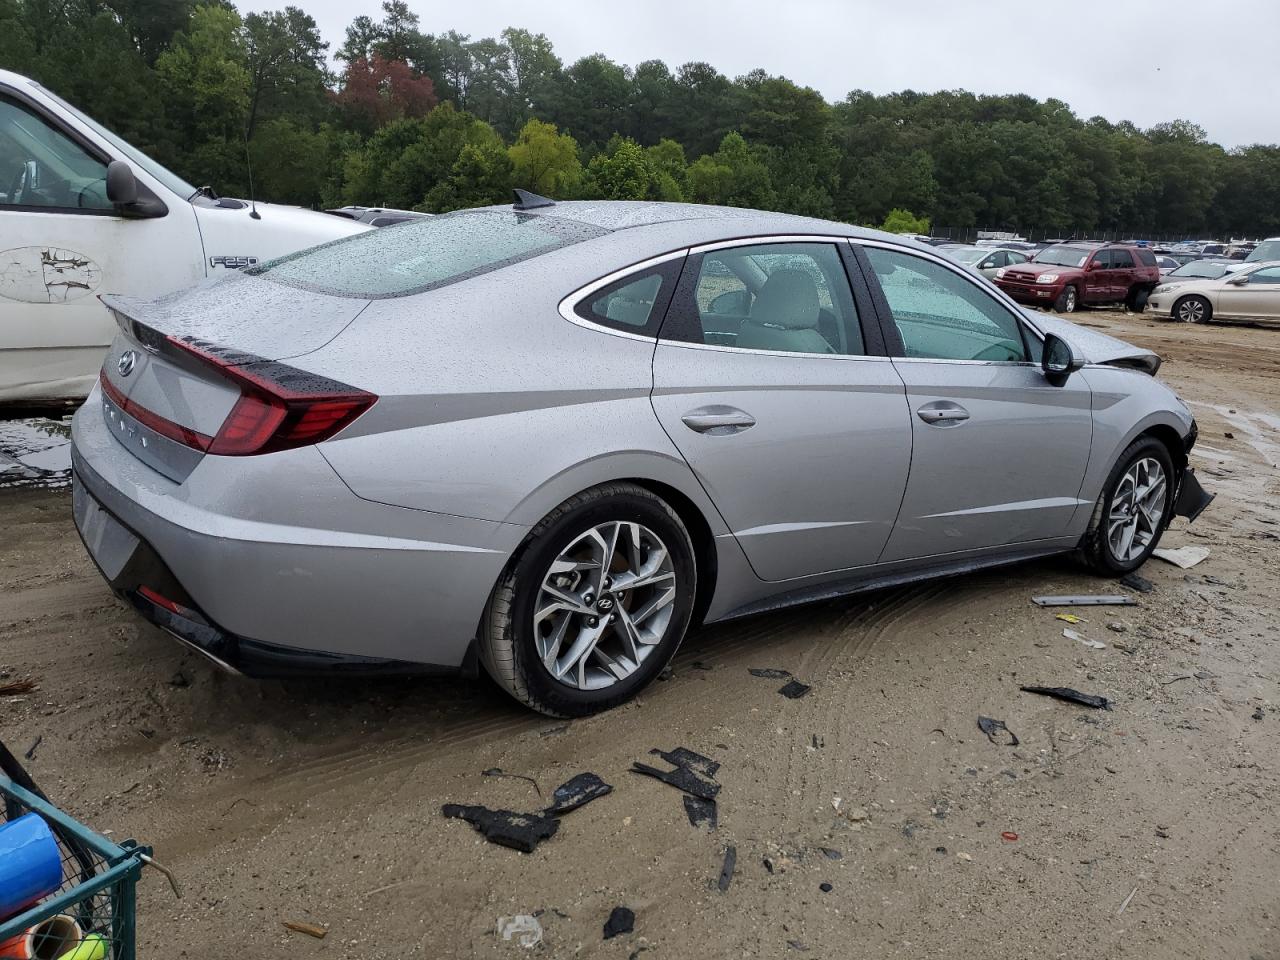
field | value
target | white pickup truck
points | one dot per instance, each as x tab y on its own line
82	212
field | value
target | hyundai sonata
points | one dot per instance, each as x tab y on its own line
547	439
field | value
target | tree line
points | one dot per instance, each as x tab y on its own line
437	122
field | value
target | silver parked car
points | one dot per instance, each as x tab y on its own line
547	439
985	260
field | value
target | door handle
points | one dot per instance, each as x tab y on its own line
943	413
718	420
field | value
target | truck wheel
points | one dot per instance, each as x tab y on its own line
1067	300
1193	310
1137	299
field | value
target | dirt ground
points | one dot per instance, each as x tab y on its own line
1152	830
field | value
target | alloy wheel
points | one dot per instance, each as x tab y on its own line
604	605
1191	310
1137	509
1071	300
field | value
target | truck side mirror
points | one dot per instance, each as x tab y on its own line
128	196
122	185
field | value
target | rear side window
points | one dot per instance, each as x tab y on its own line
1121	259
1147	257
635	303
424	254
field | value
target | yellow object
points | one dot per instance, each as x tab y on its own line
1071	618
93	947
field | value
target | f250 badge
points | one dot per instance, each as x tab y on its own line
233	263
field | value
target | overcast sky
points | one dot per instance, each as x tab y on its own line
1214	62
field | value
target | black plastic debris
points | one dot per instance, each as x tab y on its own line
831	854
701	811
825	887
519	831
769	673
726	871
692	773
768	865
991	727
1135	582
621	920
1073	696
576	792
795	690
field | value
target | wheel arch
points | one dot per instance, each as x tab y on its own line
704	542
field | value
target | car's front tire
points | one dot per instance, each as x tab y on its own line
1194	309
1133	510
1067	300
594	603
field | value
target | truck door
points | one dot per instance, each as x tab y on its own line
1097	278
62	243
1122	270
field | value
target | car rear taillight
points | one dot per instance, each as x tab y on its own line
280	407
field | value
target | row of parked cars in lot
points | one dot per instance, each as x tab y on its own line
1066	276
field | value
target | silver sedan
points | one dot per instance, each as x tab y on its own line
548	439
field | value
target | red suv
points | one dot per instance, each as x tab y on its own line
1067	275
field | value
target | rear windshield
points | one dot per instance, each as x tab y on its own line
1063	256
423	254
1266	250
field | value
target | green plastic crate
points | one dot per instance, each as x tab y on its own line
98	877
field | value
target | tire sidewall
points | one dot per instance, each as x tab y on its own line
1177	308
532	567
1068	301
1140	449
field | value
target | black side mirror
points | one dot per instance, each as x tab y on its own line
122	185
1060	359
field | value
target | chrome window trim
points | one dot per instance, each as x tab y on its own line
768	238
995	293
569	303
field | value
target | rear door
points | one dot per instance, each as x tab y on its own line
998	453
1122	273
770	377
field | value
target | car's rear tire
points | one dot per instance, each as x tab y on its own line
1193	309
1132	513
1137	299
546	636
1067	300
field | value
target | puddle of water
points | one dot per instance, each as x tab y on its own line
1257	429
35	453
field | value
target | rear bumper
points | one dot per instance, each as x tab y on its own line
328	583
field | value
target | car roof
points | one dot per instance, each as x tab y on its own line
613	215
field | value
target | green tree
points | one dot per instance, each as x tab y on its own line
733	176
904	221
288	74
622	172
545	161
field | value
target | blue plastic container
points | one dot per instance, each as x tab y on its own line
30	863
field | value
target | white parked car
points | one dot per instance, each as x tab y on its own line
82	212
1252	292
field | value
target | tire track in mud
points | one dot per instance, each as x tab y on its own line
51	600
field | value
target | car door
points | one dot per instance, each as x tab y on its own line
62	242
1122	270
1097	278
993	262
1258	297
998	452
769	382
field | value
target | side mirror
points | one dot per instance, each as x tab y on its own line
128	196
122	185
1060	359
1093	265
1238	279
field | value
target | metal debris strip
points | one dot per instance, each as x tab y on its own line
1086	600
1071	695
726	871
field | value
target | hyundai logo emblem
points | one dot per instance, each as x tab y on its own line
128	360
606	603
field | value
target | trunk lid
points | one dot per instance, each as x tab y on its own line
166	403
